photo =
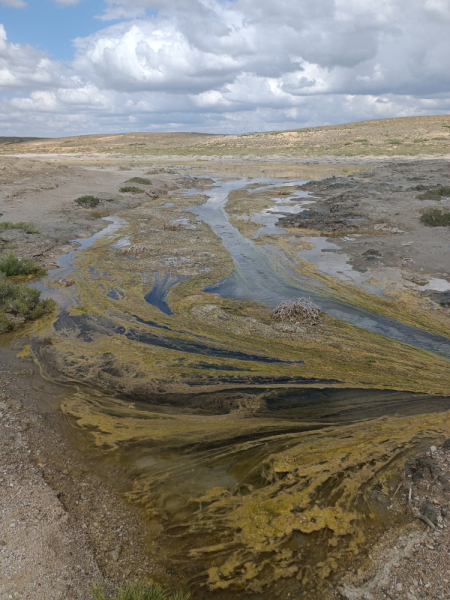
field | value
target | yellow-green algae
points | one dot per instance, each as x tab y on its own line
301	501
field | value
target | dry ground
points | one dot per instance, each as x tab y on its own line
409	136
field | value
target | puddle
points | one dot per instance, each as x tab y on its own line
161	286
438	285
330	259
269	216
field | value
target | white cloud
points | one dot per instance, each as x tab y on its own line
13	3
228	66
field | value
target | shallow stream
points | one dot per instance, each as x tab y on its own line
254	477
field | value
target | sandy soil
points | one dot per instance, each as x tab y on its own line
43	194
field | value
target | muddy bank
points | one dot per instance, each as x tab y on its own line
63	525
381	207
43	193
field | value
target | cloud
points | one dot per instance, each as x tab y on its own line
13	3
26	68
232	66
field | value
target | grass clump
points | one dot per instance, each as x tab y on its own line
137	591
435	217
10	265
140	180
435	194
6	225
19	303
88	201
131	189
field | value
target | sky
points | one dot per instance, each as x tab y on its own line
72	67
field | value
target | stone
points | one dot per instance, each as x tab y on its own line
428	510
433	449
417	476
442	479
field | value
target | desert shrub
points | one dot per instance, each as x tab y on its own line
298	310
394	142
19	303
10	265
88	201
23	226
137	591
130	189
135	249
173	227
435	217
435	194
124	168
140	180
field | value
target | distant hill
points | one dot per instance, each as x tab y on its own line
18	140
408	136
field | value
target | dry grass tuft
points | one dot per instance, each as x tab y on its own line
298	310
135	249
173	227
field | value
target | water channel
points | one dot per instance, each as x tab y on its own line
243	485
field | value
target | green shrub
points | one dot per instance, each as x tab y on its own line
435	194
434	217
19	303
140	180
10	265
24	226
137	591
88	201
131	189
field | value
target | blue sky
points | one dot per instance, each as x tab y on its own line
218	66
50	26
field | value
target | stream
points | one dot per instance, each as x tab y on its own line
262	274
244	481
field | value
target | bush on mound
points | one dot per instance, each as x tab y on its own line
19	303
298	310
435	194
137	591
435	217
140	180
131	189
88	201
10	265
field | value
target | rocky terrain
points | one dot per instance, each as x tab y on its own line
374	217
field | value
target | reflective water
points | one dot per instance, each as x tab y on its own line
263	274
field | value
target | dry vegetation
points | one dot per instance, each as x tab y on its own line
409	136
299	310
